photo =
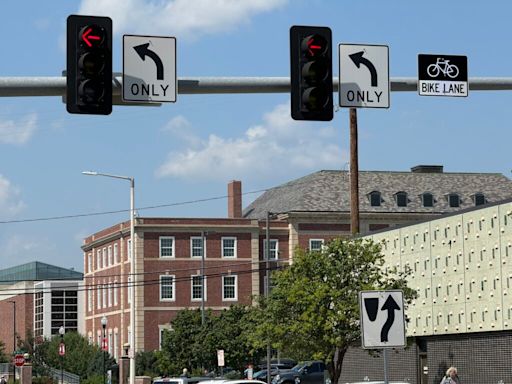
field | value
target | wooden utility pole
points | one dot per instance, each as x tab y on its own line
354	175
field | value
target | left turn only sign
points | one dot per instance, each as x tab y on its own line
149	68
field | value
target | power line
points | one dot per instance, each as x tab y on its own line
74	216
145	282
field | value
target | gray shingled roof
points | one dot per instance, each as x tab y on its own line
329	191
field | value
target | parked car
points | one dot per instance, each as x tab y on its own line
307	372
179	380
241	381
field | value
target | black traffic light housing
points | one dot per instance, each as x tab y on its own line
311	73
89	65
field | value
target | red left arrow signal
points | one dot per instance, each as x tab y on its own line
87	37
312	46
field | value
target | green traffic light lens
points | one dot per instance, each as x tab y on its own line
316	98
91	91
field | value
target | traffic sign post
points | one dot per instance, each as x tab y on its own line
442	75
149	68
364	76
382	319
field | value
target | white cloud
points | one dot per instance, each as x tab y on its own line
183	18
23	248
277	146
10	203
18	132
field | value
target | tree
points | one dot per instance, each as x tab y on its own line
192	345
3	356
312	311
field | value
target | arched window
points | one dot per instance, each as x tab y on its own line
401	199
427	199
375	199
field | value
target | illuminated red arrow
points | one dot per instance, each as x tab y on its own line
311	46
86	37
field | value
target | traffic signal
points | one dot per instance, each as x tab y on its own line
311	73
89	65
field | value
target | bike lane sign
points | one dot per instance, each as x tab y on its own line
442	75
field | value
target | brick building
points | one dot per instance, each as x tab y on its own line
305	212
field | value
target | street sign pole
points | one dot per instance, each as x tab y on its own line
354	174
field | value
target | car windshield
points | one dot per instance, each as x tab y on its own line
299	367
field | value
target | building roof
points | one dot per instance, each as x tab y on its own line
329	191
37	271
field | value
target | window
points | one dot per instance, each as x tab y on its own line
110	343
428	199
109	294
166	246
109	252
196	246
116	254
229	288
167	288
229	247
89	263
375	199
316	244
104	289
98	296
401	199
129	248
479	199
115	293
89	299
105	261
274	249
196	288
129	286
98	259
116	344
454	200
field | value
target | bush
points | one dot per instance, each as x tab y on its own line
42	380
95	379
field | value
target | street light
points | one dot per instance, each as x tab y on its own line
132	264
13	338
104	343
61	333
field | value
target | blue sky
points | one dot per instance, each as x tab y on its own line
191	149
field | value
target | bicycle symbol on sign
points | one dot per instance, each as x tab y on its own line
443	66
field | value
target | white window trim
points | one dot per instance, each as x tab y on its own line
192	288
89	299
173	248
109	295
89	262
104	257
311	240
115	293
104	294
192	238
109	253
116	253
98	296
98	259
129	286
236	288
173	298
129	248
235	247
276	256
161	328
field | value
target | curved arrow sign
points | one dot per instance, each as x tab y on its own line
143	51
391	306
358	59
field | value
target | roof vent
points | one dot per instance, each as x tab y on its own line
427	169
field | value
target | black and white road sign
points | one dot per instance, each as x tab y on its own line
364	76
442	75
149	68
382	319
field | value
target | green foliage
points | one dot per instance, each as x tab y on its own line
81	358
194	346
145	364
3	355
313	309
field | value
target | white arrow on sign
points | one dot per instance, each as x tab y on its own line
382	318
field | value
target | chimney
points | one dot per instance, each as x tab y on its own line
234	199
427	169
